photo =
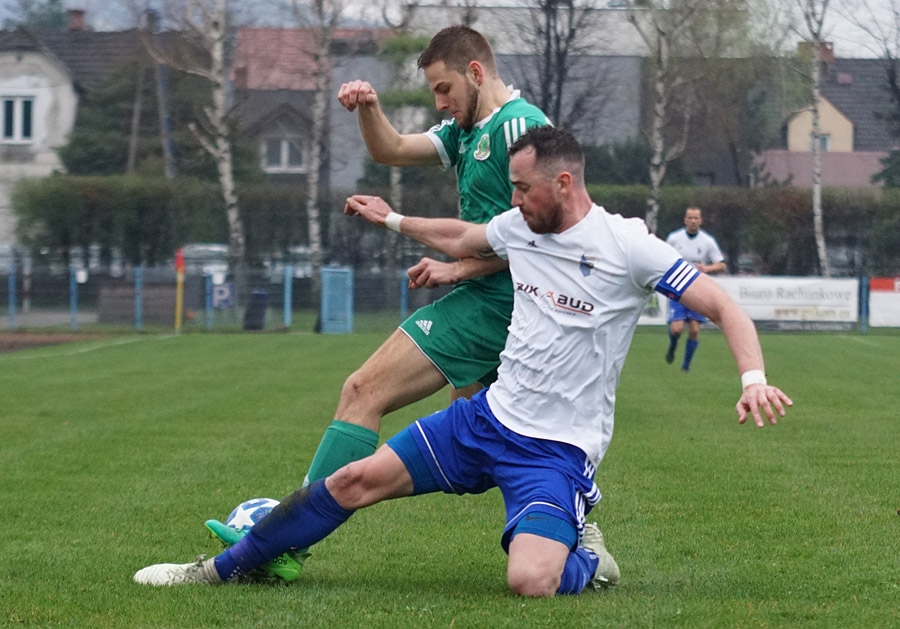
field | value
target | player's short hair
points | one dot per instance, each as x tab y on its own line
554	149
456	46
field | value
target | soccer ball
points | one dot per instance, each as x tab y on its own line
250	512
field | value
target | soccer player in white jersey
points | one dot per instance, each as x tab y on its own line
582	278
457	339
699	248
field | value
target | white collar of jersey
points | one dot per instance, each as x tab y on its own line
513	95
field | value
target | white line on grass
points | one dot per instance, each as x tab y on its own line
861	339
87	348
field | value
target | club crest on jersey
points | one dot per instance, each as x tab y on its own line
483	149
586	265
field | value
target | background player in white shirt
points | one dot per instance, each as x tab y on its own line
699	248
582	278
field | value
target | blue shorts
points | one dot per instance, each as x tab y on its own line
465	450
678	312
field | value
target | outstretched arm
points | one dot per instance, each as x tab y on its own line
385	143
454	237
430	273
713	267
758	397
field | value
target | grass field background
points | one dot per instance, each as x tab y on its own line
113	452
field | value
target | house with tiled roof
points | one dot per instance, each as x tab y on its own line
42	75
273	76
853	130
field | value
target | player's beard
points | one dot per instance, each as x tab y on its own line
547	222
468	121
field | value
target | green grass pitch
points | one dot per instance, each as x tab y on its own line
113	453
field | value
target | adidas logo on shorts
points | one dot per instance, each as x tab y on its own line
424	325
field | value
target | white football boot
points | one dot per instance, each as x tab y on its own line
201	572
607	573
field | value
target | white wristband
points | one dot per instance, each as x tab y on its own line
392	221
754	376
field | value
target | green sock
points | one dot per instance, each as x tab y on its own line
342	443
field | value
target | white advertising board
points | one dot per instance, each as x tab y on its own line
884	302
796	303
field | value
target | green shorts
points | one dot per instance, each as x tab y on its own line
463	332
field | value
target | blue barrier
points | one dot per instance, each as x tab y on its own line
73	297
139	297
288	295
11	283
336	313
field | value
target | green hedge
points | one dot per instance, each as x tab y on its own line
149	218
770	230
764	230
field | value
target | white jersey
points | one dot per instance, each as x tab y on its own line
701	248
578	297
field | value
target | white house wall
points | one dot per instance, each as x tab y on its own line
37	76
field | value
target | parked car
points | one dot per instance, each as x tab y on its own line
206	258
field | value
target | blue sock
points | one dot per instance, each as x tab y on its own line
689	349
305	517
578	571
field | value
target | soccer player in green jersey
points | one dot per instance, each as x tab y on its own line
458	338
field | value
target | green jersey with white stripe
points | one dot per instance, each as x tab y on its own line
482	165
479	156
463	332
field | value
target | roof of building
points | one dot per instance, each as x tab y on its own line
89	56
859	89
282	58
258	109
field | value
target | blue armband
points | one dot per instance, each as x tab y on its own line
676	280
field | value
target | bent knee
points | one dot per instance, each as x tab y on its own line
348	485
533	582
360	484
356	387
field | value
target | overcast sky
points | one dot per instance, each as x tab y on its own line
849	40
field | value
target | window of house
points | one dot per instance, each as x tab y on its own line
283	155
824	142
18	116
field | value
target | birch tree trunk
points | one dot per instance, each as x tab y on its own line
323	36
814	16
660	26
657	139
218	117
207	23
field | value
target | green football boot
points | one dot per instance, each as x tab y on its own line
287	567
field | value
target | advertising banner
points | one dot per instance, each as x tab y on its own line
796	303
884	302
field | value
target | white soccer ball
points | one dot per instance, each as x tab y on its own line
250	512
